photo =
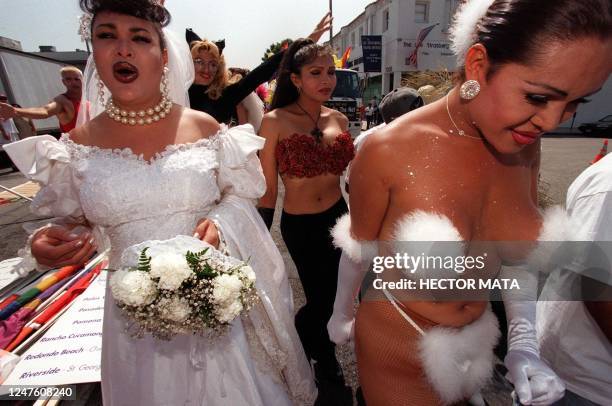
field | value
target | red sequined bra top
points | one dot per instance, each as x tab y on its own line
303	156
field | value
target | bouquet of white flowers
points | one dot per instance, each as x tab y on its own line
176	292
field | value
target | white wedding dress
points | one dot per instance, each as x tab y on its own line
129	200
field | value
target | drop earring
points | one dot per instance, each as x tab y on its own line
100	86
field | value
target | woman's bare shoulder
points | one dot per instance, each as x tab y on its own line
409	131
337	116
275	121
85	134
277	114
204	122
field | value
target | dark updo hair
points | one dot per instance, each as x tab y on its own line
301	52
514	31
149	10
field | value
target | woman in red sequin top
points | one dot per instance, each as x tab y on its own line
309	145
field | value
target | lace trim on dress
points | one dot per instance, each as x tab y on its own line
81	151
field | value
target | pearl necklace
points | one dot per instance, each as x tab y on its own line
141	117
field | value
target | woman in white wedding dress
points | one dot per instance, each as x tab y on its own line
154	172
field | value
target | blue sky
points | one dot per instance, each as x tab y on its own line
248	26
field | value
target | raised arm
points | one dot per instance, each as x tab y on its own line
265	71
37	113
322	27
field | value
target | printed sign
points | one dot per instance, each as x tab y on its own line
372	52
70	352
348	108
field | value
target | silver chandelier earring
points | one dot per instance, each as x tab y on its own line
469	89
164	82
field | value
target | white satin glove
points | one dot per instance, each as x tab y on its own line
341	328
341	325
534	382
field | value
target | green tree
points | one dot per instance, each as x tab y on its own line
275	48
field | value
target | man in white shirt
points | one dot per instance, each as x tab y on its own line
368	114
576	336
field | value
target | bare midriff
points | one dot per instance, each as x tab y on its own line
311	195
452	314
446	307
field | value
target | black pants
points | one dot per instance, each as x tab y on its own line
308	239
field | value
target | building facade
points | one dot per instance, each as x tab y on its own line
401	23
76	58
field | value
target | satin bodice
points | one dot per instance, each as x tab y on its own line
135	200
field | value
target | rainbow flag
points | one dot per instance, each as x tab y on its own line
345	58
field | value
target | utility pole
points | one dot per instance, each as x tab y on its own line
331	26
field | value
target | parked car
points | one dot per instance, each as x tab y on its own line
603	126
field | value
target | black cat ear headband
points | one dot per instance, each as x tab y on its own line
191	36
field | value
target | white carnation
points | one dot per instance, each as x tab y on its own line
228	313
171	269
249	273
174	309
226	289
133	288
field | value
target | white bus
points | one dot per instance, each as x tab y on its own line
347	98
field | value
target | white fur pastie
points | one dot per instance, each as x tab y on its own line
458	362
423	226
356	250
432	235
556	229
